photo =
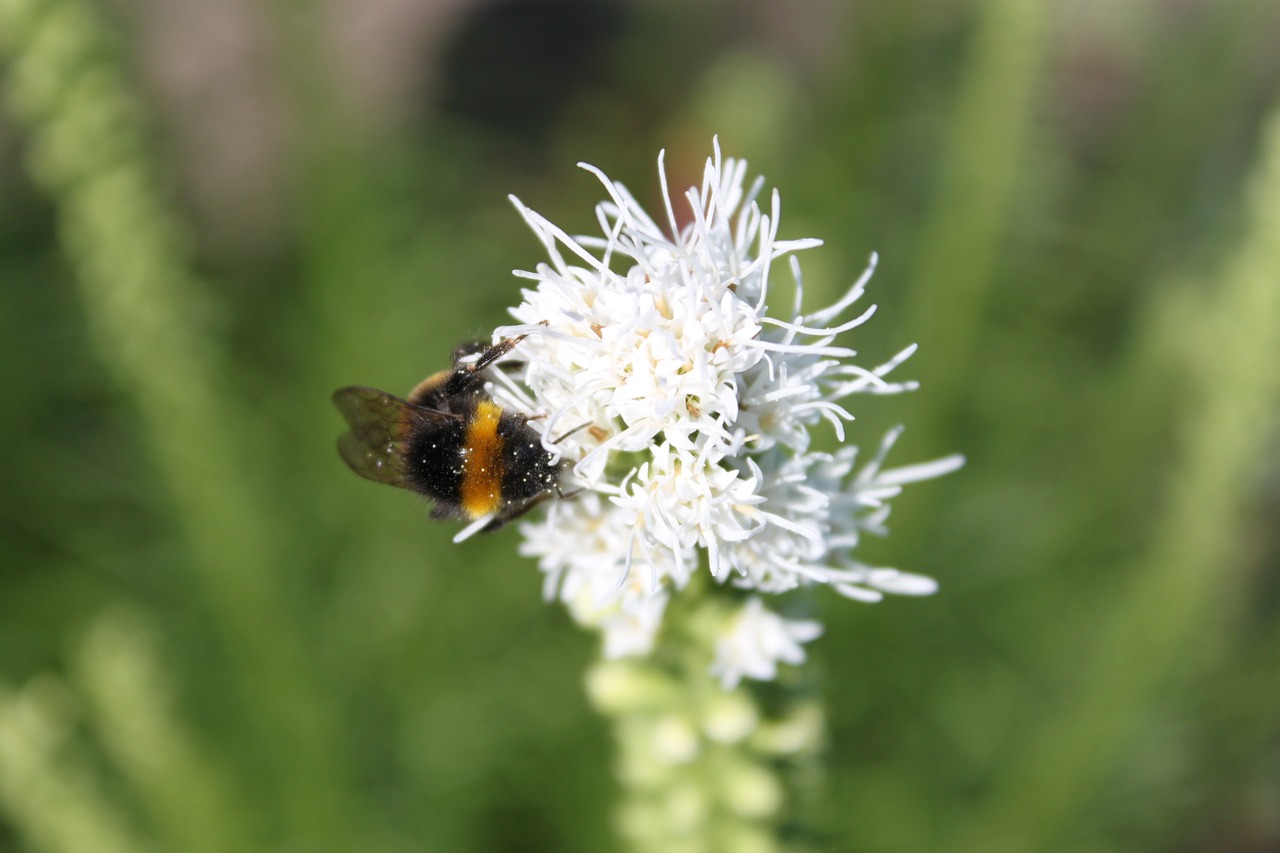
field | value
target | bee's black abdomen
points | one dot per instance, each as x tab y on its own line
528	469
434	460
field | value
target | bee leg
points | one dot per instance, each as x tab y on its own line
563	436
464	378
518	511
492	354
497	351
467	349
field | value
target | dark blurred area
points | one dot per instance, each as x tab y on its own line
212	636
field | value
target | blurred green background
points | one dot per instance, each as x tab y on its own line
214	637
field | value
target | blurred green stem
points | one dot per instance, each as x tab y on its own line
141	302
1233	391
953	265
51	794
193	805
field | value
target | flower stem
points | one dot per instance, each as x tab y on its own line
703	768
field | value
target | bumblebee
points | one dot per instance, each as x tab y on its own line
450	442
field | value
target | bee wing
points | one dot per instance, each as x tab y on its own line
379	423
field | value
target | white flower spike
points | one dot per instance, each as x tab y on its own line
756	641
686	408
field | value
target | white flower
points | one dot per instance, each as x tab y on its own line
584	555
756	641
685	407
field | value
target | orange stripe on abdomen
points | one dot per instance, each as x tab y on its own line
482	462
